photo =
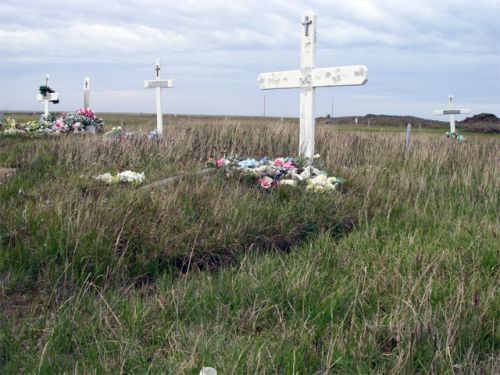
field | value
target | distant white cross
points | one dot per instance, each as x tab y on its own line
86	93
158	84
451	112
48	97
308	78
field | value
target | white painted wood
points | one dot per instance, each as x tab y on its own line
408	136
340	76
308	78
162	83
279	80
158	84
452	112
86	92
46	99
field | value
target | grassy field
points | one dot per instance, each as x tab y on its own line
397	273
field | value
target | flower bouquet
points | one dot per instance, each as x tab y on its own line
116	133
457	136
71	122
126	177
269	173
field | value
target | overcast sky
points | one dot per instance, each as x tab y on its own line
417	53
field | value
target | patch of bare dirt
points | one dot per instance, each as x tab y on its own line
6	173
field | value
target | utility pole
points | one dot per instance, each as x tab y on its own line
331	113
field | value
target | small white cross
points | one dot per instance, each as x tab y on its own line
46	99
308	78
158	84
451	112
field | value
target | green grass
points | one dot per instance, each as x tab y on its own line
398	273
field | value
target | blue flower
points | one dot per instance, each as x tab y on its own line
248	163
264	161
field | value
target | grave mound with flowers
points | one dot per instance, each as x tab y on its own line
272	173
83	120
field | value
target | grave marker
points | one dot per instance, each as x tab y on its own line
158	84
408	137
451	112
308	78
48	97
86	92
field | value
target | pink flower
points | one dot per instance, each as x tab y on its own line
86	112
284	164
221	163
58	124
278	162
266	182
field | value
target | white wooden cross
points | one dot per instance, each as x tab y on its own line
451	112
86	93
49	97
308	78
158	84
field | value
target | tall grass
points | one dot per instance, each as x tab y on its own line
397	273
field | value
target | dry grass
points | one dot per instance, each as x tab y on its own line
101	280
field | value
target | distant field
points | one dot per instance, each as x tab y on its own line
396	273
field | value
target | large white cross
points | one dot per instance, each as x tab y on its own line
308	78
86	93
49	97
158	84
451	112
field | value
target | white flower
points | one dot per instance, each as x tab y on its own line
288	182
107	178
129	176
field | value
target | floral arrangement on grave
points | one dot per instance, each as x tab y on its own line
78	121
457	136
71	122
115	133
269	174
44	90
126	177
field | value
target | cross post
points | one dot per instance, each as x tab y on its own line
158	84
307	79
451	112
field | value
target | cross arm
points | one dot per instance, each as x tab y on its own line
452	111
279	80
50	97
353	75
163	83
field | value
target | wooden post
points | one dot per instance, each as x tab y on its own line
86	92
408	137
